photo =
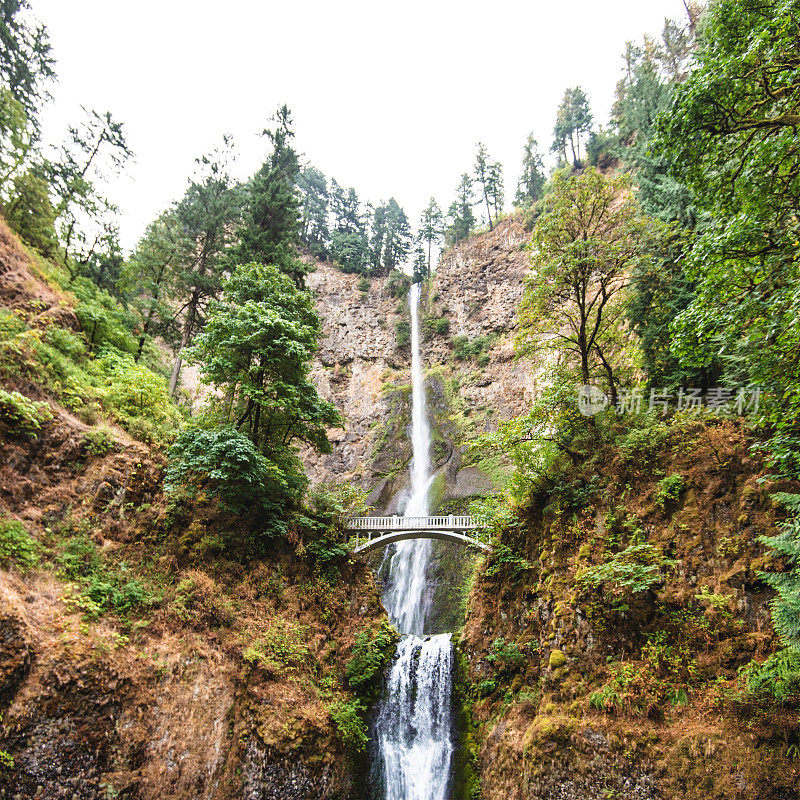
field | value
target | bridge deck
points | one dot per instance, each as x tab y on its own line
371	532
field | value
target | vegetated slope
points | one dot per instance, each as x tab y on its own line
610	635
145	651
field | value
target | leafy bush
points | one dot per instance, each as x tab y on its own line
402	330
348	716
17	545
506	562
99	441
399	285
435	326
507	657
101	586
136	396
465	349
785	606
363	284
225	463
641	444
775	680
368	655
631	571
21	415
669	490
282	647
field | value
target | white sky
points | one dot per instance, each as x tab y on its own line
387	97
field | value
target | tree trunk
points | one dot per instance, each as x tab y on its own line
185	334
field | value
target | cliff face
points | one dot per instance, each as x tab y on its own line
473	377
582	683
143	653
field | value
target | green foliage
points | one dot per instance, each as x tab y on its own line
669	490
17	546
776	680
573	122
531	180
506	657
460	221
257	346
465	349
640	444
402	330
136	397
785	606
21	415
368	656
731	138
504	561
586	243
348	716
322	526
363	284
101	586
225	462
635	569
399	285
282	648
99	441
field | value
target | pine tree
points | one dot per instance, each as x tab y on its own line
460	218
269	234
485	177
573	122
532	180
206	216
313	188
431	229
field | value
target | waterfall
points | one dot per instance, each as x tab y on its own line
413	727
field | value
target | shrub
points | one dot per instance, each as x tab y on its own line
99	441
225	463
136	396
641	445
403	332
507	657
776	680
100	586
348	716
21	415
669	490
399	285
631	571
363	284
368	654
465	349
17	545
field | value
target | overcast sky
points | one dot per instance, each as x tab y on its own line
387	97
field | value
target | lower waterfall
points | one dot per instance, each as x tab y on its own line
413	727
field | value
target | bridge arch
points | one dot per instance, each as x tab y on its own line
373	532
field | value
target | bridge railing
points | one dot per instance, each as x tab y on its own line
397	523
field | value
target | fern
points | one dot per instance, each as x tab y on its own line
785	606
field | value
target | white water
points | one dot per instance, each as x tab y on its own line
413	726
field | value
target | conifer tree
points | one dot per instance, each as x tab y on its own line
489	177
460	218
313	188
573	122
532	180
269	234
431	229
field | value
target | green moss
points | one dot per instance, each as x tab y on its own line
557	659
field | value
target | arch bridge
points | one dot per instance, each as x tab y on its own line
373	532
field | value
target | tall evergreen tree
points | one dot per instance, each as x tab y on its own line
532	180
489	177
460	217
206	216
573	122
313	188
269	234
431	229
26	65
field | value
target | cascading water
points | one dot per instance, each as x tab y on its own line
413	728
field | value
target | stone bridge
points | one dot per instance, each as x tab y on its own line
372	532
